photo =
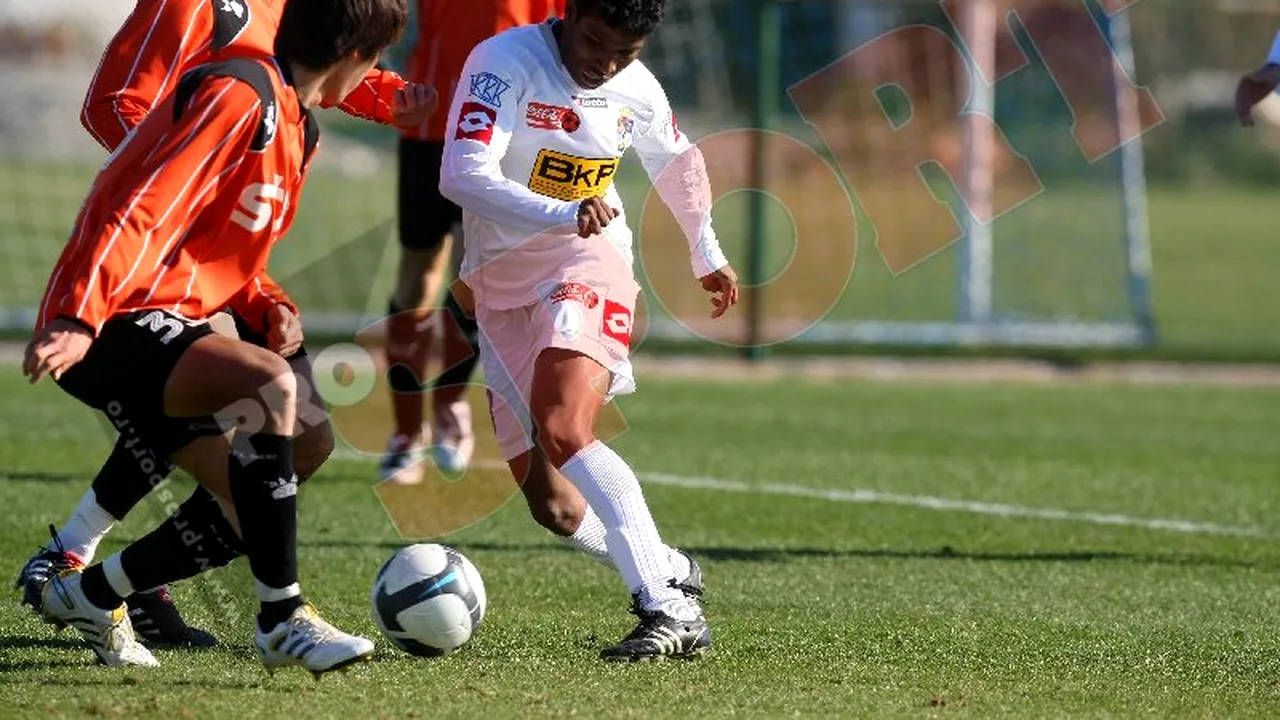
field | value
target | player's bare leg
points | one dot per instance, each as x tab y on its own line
410	328
453	439
568	393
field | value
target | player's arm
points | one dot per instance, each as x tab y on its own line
257	298
141	64
679	174
159	197
476	140
385	97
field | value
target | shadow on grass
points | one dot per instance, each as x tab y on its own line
781	555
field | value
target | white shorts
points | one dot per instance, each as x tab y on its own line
587	316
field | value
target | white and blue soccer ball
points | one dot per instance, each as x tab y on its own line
428	599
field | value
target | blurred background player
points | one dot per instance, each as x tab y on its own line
123	324
1256	86
430	226
144	61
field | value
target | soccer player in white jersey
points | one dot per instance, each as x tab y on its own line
540	120
1257	85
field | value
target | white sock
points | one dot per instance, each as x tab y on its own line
86	527
589	538
267	593
116	576
613	492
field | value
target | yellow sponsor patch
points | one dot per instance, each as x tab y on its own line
568	177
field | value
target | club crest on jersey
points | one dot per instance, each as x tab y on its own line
541	116
577	292
488	88
626	129
475	122
568	177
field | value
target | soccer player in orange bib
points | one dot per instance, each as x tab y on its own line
178	225
142	64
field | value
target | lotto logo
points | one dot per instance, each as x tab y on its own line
475	122
567	177
617	322
488	88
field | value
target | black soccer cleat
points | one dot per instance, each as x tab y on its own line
691	586
39	569
157	622
660	636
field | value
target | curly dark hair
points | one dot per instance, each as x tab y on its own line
637	18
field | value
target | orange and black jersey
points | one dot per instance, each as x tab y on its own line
162	39
185	213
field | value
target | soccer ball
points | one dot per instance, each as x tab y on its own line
428	599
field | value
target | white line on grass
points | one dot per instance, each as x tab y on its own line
928	502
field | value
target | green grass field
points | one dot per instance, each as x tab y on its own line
842	583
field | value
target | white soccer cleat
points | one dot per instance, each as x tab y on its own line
455	439
305	639
108	632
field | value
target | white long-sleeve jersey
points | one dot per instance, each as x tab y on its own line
525	145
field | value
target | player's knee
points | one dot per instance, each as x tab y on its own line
560	514
312	449
270	396
562	433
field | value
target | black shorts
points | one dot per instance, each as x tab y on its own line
425	215
125	372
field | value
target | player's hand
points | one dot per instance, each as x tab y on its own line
55	349
594	215
415	102
1253	89
284	331
723	286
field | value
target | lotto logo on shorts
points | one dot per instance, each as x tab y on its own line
541	116
617	322
568	178
475	122
576	291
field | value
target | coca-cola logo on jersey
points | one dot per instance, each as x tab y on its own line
541	116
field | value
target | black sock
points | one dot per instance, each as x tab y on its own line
265	493
195	538
460	374
93	581
130	472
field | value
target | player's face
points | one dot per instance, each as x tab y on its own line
593	52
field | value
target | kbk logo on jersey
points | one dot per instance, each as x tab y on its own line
541	116
617	322
575	291
568	177
488	88
475	122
